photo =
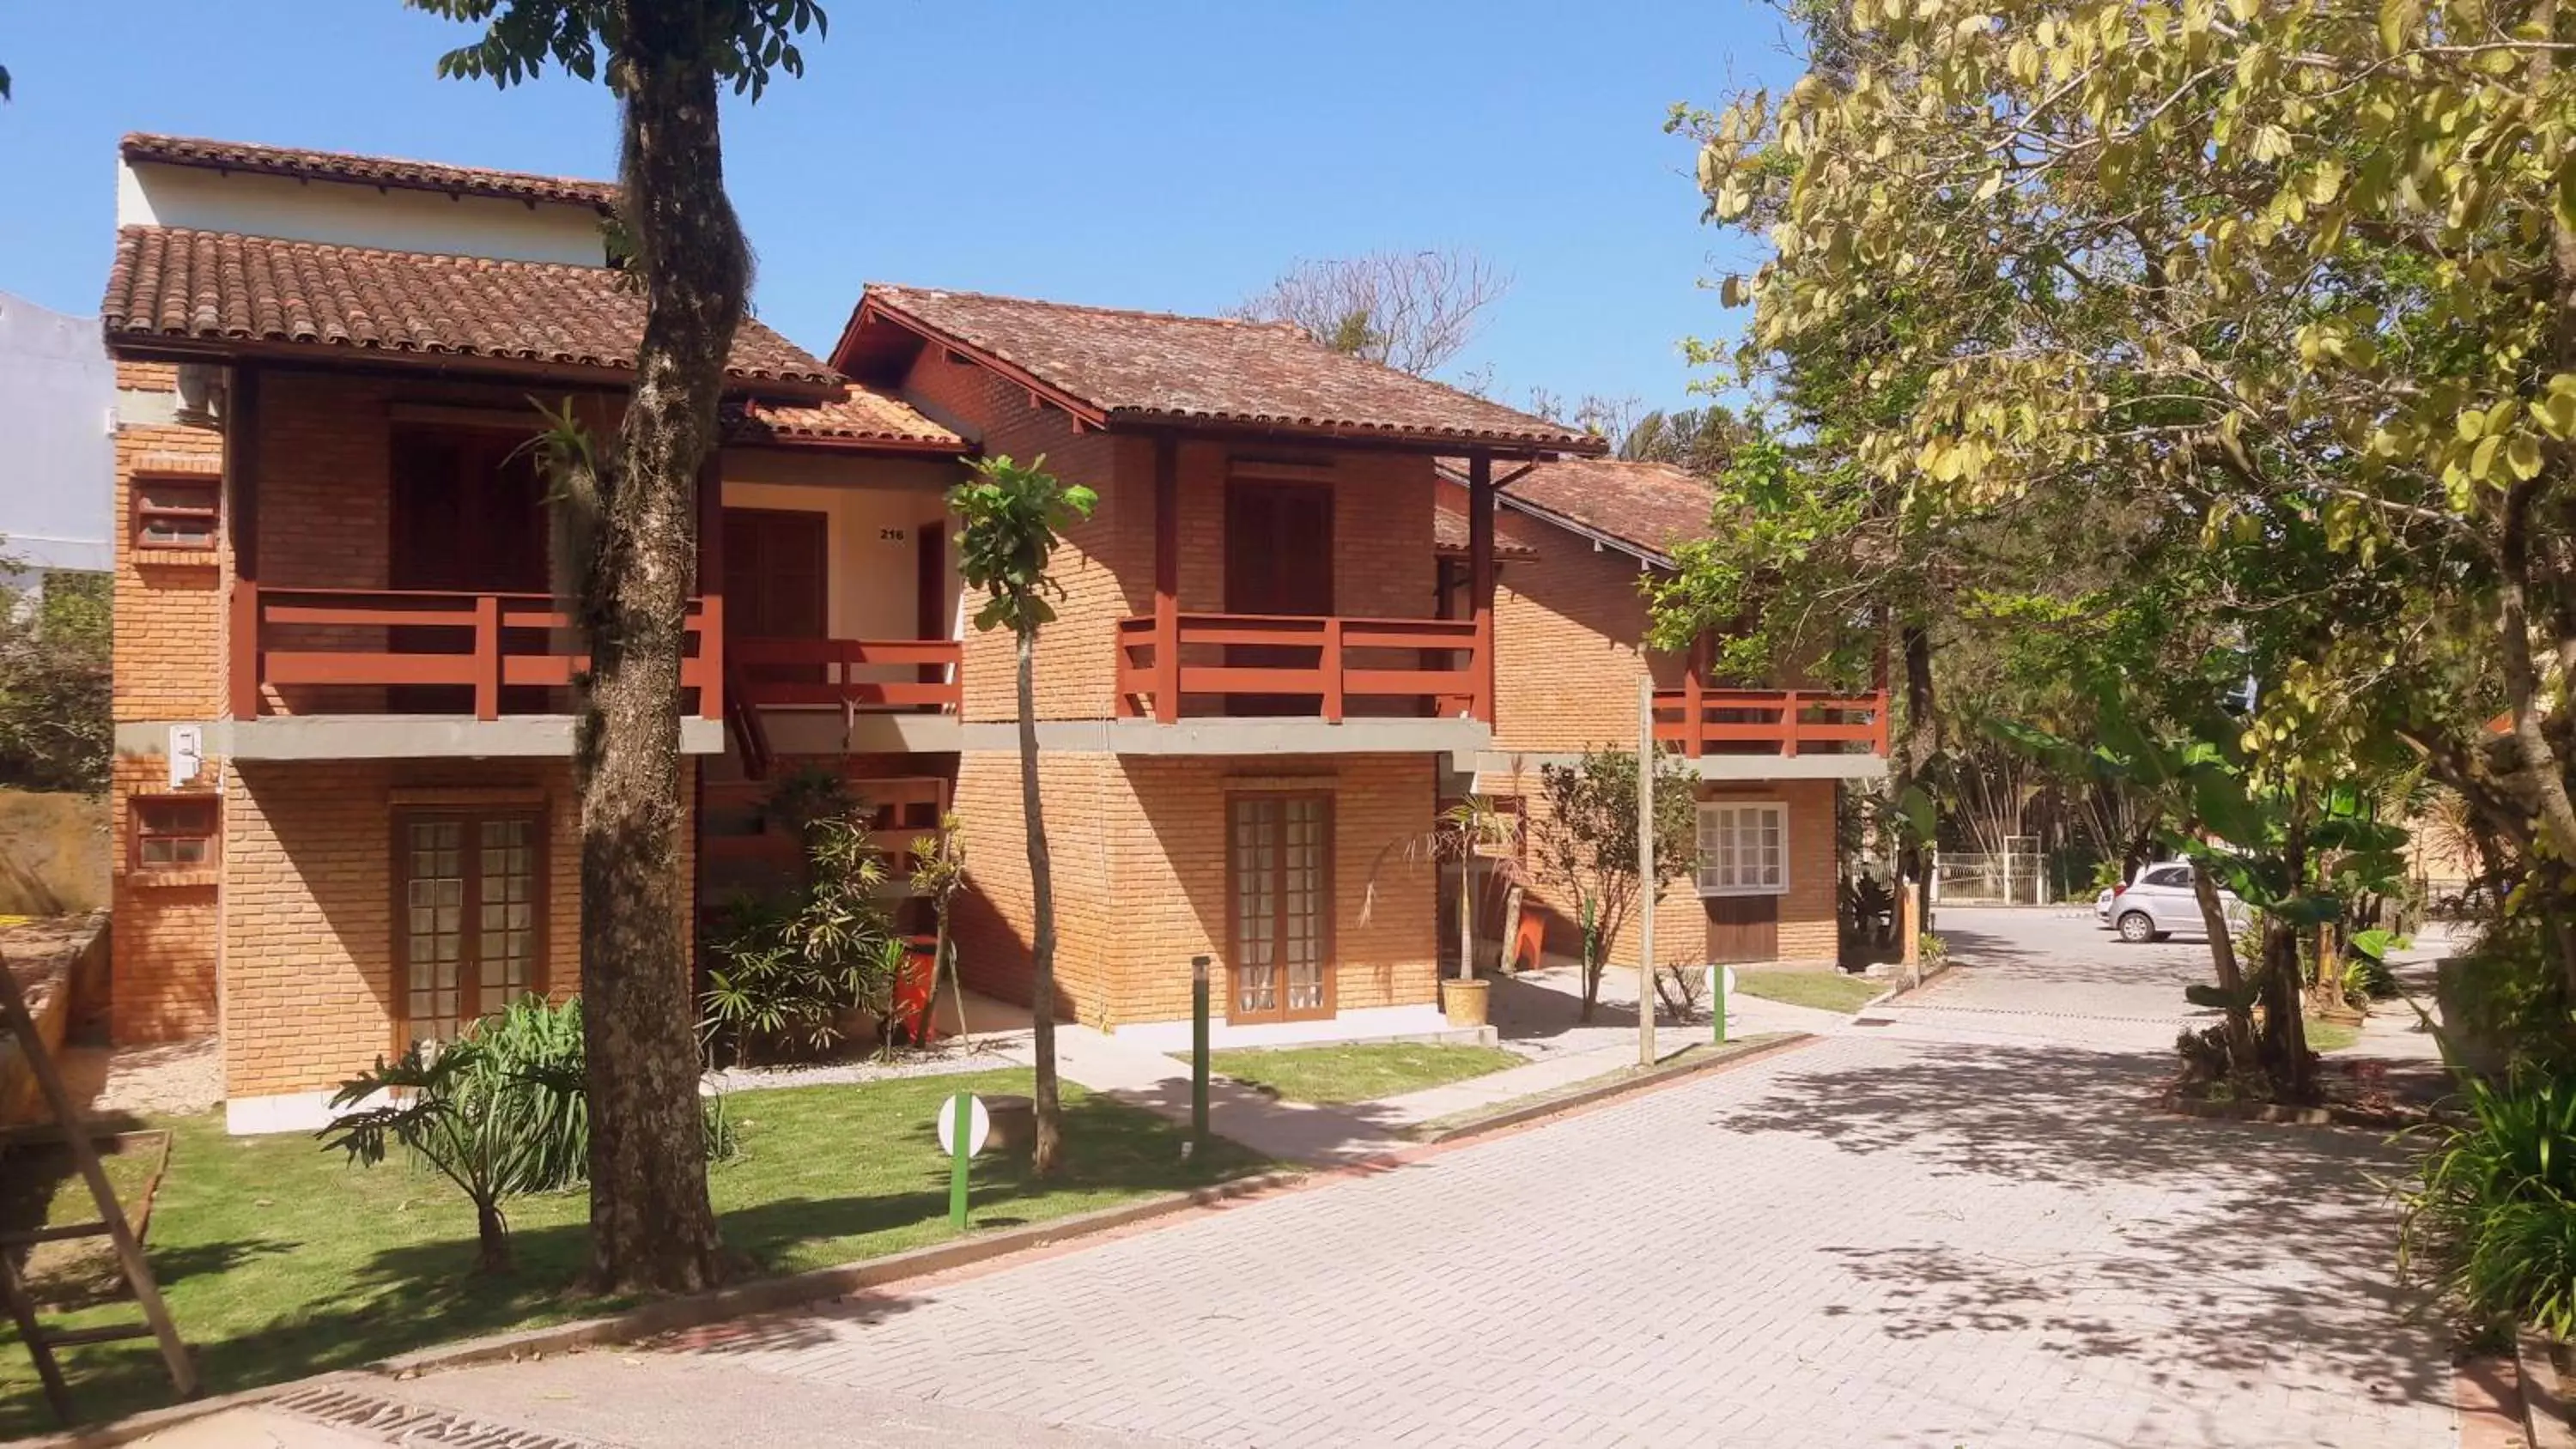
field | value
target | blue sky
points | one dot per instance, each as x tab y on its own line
1165	155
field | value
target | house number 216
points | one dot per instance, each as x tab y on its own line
890	535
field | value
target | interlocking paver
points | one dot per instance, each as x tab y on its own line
1920	1234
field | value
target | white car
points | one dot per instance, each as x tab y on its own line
2102	905
2160	902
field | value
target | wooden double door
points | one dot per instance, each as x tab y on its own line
1279	894
468	516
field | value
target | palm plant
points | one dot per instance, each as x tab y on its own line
488	1124
1010	521
2492	1219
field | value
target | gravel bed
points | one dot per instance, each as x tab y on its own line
947	1059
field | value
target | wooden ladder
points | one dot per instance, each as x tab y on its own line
111	1225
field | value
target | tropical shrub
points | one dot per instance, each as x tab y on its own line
790	967
2504	1001
489	1119
2491	1219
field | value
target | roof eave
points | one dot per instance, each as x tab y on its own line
1394	439
873	308
161	347
1643	553
127	149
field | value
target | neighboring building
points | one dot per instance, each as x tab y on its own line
343	806
1579	537
57	411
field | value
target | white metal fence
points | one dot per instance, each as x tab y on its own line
2012	878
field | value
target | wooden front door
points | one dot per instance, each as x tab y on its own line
471	937
469	516
777	583
1279	893
1743	928
1278	560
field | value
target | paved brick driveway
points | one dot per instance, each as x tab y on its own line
1900	1235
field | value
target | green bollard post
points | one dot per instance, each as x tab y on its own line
1717	1000
1198	1053
961	1135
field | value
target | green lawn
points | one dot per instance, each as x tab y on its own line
1337	1074
1823	990
278	1261
2329	1036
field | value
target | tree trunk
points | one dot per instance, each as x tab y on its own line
1592	963
2231	973
1916	759
1467	915
652	1228
1050	1111
492	1239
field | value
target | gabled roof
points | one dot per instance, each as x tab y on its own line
1114	368
1641	508
175	290
1449	533
365	170
861	418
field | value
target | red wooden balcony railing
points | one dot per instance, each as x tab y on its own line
1703	721
485	643
828	671
902	809
1338	662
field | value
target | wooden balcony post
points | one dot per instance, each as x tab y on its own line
1694	707
1167	578
1789	723
1480	579
1881	740
1332	662
711	662
487	656
242	650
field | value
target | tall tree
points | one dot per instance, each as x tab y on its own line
1701	440
632	512
1413	311
1009	520
2303	270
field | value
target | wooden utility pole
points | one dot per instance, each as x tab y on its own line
1646	871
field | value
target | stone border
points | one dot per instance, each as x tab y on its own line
1891	995
1580	1097
2276	1114
2545	1418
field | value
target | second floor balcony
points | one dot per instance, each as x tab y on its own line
1179	666
1701	722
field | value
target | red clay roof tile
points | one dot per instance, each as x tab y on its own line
172	284
1647	506
862	417
365	170
1449	532
1146	367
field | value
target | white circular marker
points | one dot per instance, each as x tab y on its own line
979	1125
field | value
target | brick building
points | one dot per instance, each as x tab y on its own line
344	809
1578	538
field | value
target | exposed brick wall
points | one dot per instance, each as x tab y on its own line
1139	857
167	662
1566	626
1074	665
1809	930
162	954
309	993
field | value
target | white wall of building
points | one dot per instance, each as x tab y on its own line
873	511
348	214
57	441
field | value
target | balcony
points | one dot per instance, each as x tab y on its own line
742	849
354	673
1333	669
1836	734
785	673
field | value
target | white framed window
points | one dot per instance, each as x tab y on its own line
1743	848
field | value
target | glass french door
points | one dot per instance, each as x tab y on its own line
471	934
1279	885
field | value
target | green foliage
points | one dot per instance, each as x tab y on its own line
1010	517
2504	1001
1584	843
745	40
530	1077
1699	440
493	1121
2491	1219
55	730
793	964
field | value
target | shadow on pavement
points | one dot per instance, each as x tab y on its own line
2282	1237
